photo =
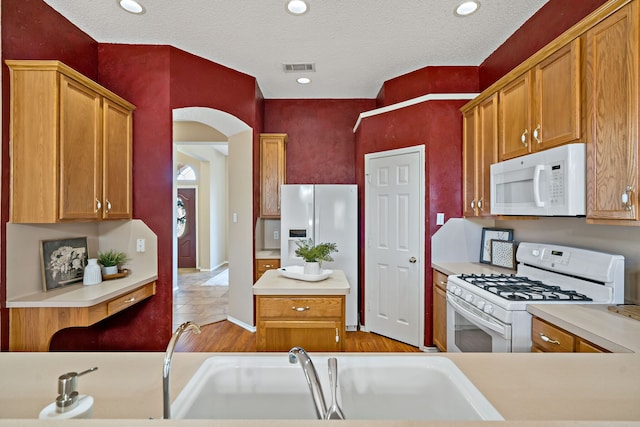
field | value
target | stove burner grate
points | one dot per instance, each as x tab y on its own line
518	288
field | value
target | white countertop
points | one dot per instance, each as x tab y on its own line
450	268
273	282
526	388
268	254
80	295
595	323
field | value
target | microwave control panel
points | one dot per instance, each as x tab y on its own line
556	184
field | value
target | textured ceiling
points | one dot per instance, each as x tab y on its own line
356	45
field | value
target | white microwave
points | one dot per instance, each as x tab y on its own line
546	183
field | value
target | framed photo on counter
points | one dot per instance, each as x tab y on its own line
62	261
489	234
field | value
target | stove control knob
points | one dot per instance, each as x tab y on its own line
468	298
488	308
457	291
480	304
535	252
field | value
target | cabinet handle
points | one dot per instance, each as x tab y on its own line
268	266
523	138
536	134
337	336
98	205
108	205
480	204
545	338
473	204
300	308
132	299
626	198
443	283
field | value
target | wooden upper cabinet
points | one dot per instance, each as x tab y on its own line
515	118
556	118
541	109
470	131
117	161
480	127
70	146
611	80
80	154
272	172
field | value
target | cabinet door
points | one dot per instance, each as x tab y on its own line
612	116
515	116
117	161
583	346
487	152
281	335
272	173
440	310
469	124
557	99
549	338
80	151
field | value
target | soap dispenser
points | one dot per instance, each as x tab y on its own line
69	404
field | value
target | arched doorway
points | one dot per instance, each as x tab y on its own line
238	214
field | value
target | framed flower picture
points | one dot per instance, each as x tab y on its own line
62	261
489	234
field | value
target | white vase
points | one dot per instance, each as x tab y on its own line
106	271
311	268
92	274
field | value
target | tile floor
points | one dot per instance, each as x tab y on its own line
200	304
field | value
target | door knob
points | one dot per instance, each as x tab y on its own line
412	260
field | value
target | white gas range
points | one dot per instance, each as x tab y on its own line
487	313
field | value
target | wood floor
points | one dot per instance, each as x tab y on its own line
227	337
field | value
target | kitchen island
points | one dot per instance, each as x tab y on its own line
310	314
526	388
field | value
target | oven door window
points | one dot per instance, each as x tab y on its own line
471	330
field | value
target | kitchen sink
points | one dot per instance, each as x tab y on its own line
416	387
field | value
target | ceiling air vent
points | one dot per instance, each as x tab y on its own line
296	68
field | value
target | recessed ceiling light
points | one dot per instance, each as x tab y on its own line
467	8
131	6
303	80
297	7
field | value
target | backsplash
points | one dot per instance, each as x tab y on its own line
621	240
271	230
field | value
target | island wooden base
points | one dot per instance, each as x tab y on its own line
313	322
32	328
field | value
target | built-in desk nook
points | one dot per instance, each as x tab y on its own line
34	319
300	313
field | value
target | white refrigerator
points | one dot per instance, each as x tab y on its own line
327	213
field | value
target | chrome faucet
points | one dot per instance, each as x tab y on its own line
166	400
299	354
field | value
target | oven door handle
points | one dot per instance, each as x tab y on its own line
499	327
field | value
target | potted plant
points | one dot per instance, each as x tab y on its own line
314	255
111	261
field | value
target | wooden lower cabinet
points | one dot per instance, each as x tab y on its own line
440	310
548	338
315	323
263	265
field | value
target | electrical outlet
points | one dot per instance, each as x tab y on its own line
276	235
439	218
140	245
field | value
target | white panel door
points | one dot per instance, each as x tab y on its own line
394	268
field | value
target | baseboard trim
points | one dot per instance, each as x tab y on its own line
241	324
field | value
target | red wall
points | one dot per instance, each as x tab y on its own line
320	147
549	22
440	131
32	30
429	80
